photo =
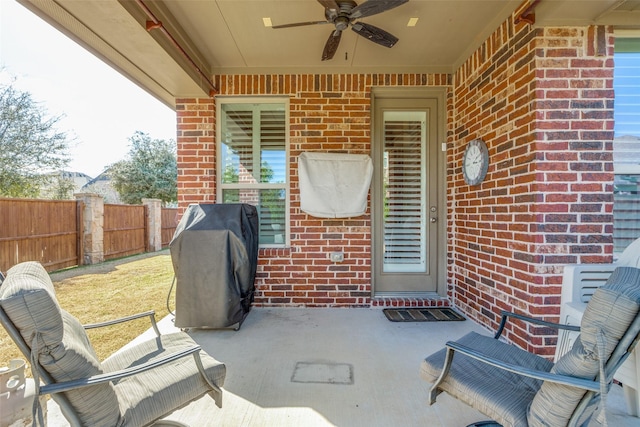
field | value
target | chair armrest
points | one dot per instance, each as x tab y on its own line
521	370
507	314
113	376
151	314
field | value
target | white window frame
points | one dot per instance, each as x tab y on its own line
284	101
619	167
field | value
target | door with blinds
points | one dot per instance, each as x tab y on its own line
405	199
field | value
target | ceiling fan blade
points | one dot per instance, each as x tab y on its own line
373	7
299	24
329	4
331	45
375	34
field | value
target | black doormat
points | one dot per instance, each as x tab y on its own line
431	314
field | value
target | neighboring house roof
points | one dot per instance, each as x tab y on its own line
79	180
103	186
102	178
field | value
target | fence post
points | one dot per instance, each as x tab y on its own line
154	224
93	228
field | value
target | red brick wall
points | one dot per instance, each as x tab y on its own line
327	113
542	100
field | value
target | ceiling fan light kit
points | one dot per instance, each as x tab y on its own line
343	14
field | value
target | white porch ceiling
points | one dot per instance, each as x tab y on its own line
228	36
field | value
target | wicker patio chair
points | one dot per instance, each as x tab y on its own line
136	386
517	388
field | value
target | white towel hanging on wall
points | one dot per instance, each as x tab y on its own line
334	185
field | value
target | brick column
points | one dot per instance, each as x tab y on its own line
153	224
196	151
542	99
93	228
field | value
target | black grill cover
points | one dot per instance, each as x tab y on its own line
214	252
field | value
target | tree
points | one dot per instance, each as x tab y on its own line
30	144
150	171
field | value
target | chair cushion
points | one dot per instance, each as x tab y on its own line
28	297
609	313
64	351
34	270
148	396
497	393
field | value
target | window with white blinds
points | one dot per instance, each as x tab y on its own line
404	192
253	163
626	145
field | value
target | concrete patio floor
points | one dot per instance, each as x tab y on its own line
331	367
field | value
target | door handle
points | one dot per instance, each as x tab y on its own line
433	219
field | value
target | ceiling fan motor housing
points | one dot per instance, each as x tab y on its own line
346	6
341	14
341	23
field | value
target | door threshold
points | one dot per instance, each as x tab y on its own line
422	299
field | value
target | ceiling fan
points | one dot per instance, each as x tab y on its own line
344	13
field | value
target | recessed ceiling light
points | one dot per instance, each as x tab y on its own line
266	21
412	22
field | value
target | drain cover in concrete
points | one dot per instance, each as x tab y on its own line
323	373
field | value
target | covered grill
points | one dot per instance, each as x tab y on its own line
214	252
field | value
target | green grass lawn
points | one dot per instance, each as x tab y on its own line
107	291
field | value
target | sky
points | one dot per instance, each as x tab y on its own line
101	109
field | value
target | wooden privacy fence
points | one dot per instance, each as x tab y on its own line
53	232
125	231
169	221
40	230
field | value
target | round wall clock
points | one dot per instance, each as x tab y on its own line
475	162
